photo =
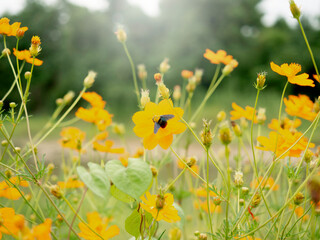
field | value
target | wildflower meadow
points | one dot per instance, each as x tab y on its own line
236	176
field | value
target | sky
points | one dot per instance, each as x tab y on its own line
272	9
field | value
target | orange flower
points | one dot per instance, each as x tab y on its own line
300	106
10	30
219	57
160	207
299	212
100	226
94	99
284	124
267	183
100	117
195	168
9	192
39	232
72	137
316	77
186	74
8	226
204	206
107	147
26	56
71	183
284	139
202	192
239	113
153	125
290	71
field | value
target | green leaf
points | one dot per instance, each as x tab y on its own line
96	180
134	179
118	194
132	223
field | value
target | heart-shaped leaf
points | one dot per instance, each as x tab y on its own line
134	179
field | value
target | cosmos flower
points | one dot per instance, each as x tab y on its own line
9	192
267	183
72	137
291	71
94	99
100	226
238	113
71	183
300	106
107	147
285	123
26	56
100	117
204	206
154	131
10	30
219	57
160	207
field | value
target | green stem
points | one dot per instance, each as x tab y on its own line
228	191
208	194
288	221
173	181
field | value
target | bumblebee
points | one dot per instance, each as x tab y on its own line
161	121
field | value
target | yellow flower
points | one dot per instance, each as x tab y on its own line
186	74
72	137
9	192
157	124
299	212
204	206
219	57
267	183
300	106
26	56
10	30
107	147
281	141
290	71
239	113
100	226
7	226
39	232
166	211
94	99
71	183
100	117
284	124
195	167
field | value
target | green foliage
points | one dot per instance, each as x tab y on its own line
134	179
120	195
96	180
137	222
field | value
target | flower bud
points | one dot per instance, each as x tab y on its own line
50	167
1	104
256	200
294	10
198	75
154	171
160	201
121	35
68	97
142	73
261	117
8	173
203	236
6	52
175	234
196	233
186	74
35	46
308	156
157	77
230	67
216	201
33	217
191	86
27	75
191	161
89	80
59	101
17	149
261	79
163	90
12	104
298	198
236	129
244	191
144	98
4	143
176	93
225	135
238	178
241	202
316	105
221	116
164	66
206	134
28	197
20	32
56	191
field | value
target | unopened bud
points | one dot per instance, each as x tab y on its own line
68	97
142	73
144	98
176	92
27	75
160	201
12	104
241	202
196	233
28	197
203	236
8	173
6	52
261	79
191	86
298	198
154	171
294	9
230	67
316	105
50	167
191	161
198	75
1	104
186	74
17	149
121	35
163	90
238	178
89	80
164	66
236	129
256	200
206	134
157	77
225	135
216	201
308	156
56	191
221	116
4	143
261	117
244	191
59	101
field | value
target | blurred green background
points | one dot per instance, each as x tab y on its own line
75	40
